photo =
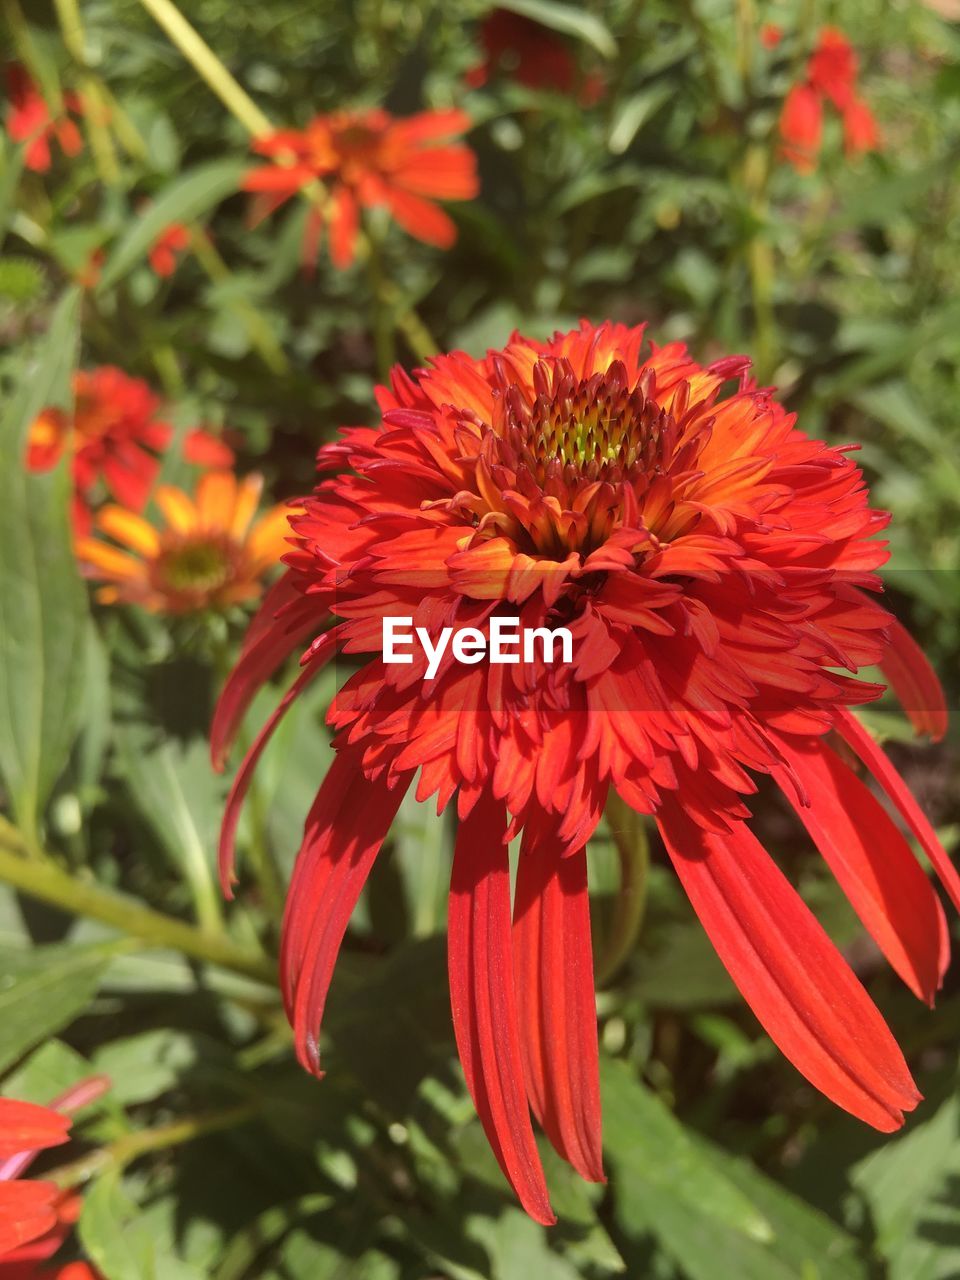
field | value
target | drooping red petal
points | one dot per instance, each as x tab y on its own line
882	768
26	1211
24	1126
269	641
421	218
915	682
555	994
344	832
482	998
344	222
799	986
319	658
873	864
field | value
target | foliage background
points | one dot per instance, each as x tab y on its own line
213	1155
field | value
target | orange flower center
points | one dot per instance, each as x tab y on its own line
196	565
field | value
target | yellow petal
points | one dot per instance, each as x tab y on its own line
178	511
130	529
216	499
268	539
248	498
107	560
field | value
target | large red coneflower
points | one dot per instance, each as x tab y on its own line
31	121
113	437
716	568
364	159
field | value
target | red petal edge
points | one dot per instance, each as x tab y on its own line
482	999
555	996
344	833
883	770
799	986
873	864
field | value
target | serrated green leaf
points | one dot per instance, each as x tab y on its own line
569	21
187	197
43	603
43	990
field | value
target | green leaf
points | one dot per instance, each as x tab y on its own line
120	1241
9	183
180	796
569	21
189	196
653	1156
43	603
910	1185
43	990
633	114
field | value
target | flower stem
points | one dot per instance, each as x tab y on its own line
117	1155
206	63
383	320
96	113
258	328
47	882
630	837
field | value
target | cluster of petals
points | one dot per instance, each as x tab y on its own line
831	76
36	1216
717	569
212	552
352	160
113	437
30	121
531	54
166	250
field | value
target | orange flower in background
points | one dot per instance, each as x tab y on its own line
167	248
113	436
715	567
531	54
831	76
29	120
366	159
210	554
36	1216
770	35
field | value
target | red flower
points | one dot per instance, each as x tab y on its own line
831	75
167	248
770	35
113	435
531	54
367	158
29	120
35	1217
715	568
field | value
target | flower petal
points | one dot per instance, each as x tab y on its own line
485	1018
882	768
789	972
285	621
873	864
915	682
24	1126
344	833
26	1212
554	984
319	658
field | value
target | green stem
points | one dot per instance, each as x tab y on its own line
261	335
383	320
117	1155
45	881
630	837
97	112
206	63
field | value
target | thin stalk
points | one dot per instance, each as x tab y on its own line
383	322
48	883
122	1152
261	335
97	113
206	63
633	848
